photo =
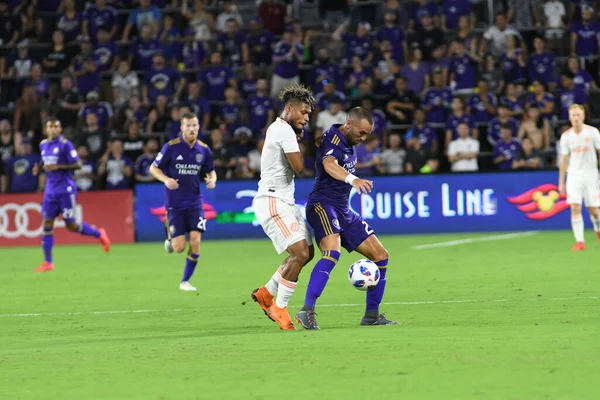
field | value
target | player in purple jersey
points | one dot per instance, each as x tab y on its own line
59	160
335	225
181	165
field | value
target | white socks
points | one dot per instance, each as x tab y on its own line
286	290
273	284
595	223
577	226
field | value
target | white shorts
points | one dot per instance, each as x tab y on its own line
283	223
583	189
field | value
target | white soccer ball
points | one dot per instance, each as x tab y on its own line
363	274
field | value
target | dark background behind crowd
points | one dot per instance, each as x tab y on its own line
453	84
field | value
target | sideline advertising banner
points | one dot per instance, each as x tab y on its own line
487	202
21	218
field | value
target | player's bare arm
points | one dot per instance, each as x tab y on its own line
211	180
160	176
562	172
337	172
296	161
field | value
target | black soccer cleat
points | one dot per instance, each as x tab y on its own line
307	320
378	320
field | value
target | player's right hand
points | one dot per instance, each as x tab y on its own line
172	184
561	188
36	169
362	185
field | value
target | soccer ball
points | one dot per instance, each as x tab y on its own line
363	274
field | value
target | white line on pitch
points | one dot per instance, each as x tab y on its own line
396	303
476	239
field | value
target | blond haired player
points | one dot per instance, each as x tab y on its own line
579	147
275	206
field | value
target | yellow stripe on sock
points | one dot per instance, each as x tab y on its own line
330	259
192	259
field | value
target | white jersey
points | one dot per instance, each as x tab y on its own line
276	174
582	151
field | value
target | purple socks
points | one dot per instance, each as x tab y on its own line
319	277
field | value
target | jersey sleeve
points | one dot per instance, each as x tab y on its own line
564	145
596	139
288	141
72	156
209	164
329	149
163	157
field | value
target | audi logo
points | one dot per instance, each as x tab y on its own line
21	220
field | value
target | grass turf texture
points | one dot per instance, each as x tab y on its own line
529	328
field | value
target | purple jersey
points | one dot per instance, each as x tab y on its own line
495	126
513	105
426	135
59	151
582	80
247	87
569	97
419	10
216	80
546	98
100	18
88	81
541	67
103	112
509	150
259	107
71	27
396	36
115	178
587	38
106	53
229	112
454	121
199	106
512	70
479	110
356	47
464	72
326	71
379	123
178	161
288	68
232	48
327	189
193	54
439	100
22	179
323	100
161	82
261	44
143	52
454	9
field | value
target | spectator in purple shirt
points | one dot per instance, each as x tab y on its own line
20	169
100	15
506	150
582	79
501	120
101	109
145	15
386	69
419	8
322	68
514	62
70	21
585	36
247	85
261	108
437	99
380	124
512	101
368	156
542	63
216	78
199	106
287	56
142	49
358	75
40	82
107	51
391	32
542	99
570	95
116	167
143	162
163	80
232	44
429	36
358	44
416	72
463	67
193	52
459	116
423	132
85	68
230	111
453	10
402	103
482	105
260	43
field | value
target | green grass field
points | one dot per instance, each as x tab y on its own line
505	319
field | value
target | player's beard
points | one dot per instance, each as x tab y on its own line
190	138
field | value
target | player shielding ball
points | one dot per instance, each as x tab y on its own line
334	224
579	149
275	206
181	165
59	160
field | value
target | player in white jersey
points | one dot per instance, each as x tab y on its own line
275	206
579	148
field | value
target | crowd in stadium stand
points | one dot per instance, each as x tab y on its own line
449	89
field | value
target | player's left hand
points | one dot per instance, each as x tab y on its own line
362	185
210	183
50	167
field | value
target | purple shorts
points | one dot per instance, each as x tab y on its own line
180	222
327	220
54	205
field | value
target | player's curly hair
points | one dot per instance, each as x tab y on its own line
296	92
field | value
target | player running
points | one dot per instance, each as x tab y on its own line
180	165
275	206
335	225
578	148
59	160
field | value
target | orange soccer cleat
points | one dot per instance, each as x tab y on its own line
104	240
45	267
263	298
579	246
281	316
